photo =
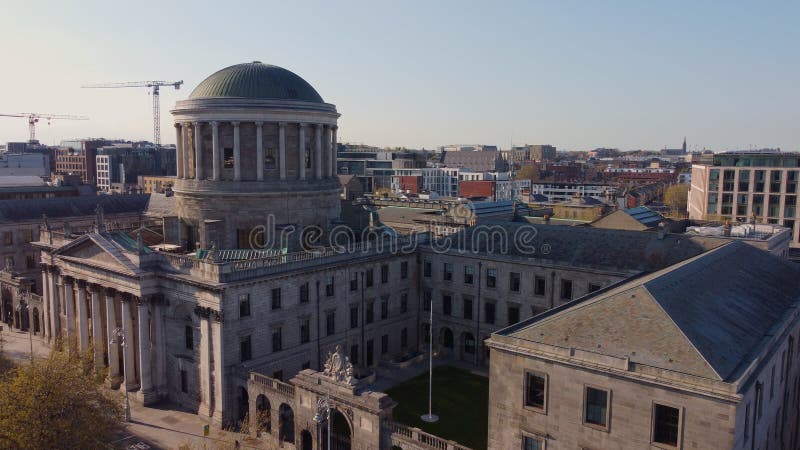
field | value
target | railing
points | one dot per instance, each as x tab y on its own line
427	440
272	384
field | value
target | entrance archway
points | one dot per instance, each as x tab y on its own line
263	419
306	442
243	405
446	338
340	432
285	424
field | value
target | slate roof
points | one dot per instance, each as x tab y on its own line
33	209
607	249
710	316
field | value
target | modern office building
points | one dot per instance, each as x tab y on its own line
748	186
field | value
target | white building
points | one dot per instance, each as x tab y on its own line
562	192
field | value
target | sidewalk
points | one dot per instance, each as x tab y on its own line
16	345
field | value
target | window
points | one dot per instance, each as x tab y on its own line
370	312
513	315
403	302
539	286
277	339
403	270
467	308
404	337
488	312
189	337
469	344
384	273
666	424
330	323
244	305
447	304
8	237
305	331
30	261
276	298
566	289
184	382
491	278
27	235
513	282
593	287
596	407
245	349
384	344
447	273
370	346
354	353
227	158
304	293
532	443
426	269
329	291
535	390
354	281
370	277
427	299
469	274
384	308
354	316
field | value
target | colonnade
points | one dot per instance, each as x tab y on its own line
322	154
111	323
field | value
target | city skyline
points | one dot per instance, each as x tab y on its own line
577	76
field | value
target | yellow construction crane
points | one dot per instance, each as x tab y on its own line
34	118
154	89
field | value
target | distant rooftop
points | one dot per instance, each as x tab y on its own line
20	181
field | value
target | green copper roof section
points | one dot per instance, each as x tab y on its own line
256	80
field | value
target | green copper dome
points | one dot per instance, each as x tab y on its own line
256	80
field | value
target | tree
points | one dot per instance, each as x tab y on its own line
55	403
676	197
529	172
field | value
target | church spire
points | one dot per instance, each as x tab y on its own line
684	144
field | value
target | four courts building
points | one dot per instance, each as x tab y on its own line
243	310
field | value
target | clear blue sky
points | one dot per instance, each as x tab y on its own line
579	75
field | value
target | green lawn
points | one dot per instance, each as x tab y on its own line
460	398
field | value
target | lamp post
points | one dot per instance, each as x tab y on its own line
119	332
324	414
430	417
23	308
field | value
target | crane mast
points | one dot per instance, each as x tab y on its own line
154	87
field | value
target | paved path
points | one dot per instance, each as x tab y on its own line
17	344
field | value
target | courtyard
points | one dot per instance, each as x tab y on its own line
460	399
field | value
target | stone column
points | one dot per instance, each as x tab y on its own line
215	151
198	150
282	149
45	304
159	346
70	308
205	363
302	153
237	153
185	149
328	154
260	151
127	350
178	150
98	337
334	169
317	151
216	333
146	392
111	325
83	317
55	323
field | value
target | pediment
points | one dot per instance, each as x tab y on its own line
94	249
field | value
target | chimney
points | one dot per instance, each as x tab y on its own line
662	230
